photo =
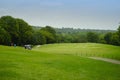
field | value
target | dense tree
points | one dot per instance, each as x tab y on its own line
59	38
25	32
101	38
10	25
5	38
108	37
48	36
92	37
79	38
115	39
39	38
17	30
118	32
49	33
49	29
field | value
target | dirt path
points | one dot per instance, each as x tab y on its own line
106	59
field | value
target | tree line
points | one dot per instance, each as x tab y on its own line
17	31
68	35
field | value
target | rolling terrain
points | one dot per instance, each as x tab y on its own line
82	49
59	62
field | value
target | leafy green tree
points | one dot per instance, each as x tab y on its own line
119	30
28	37
5	38
25	32
101	38
49	29
49	33
115	39
119	34
39	38
108	37
48	36
59	38
10	25
92	37
79	38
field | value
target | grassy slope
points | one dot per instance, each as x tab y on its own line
20	64
83	49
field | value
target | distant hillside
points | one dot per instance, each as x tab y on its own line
72	30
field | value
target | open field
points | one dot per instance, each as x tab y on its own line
83	49
16	63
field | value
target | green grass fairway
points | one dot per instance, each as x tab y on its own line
83	49
16	63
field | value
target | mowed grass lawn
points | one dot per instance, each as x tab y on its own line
16	63
83	49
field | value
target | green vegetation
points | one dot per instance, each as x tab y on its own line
65	61
17	31
92	37
16	63
83	49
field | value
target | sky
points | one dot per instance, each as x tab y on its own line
84	14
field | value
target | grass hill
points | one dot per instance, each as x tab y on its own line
50	62
83	49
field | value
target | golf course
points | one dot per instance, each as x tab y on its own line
59	39
64	61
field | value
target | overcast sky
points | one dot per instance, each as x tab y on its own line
92	14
